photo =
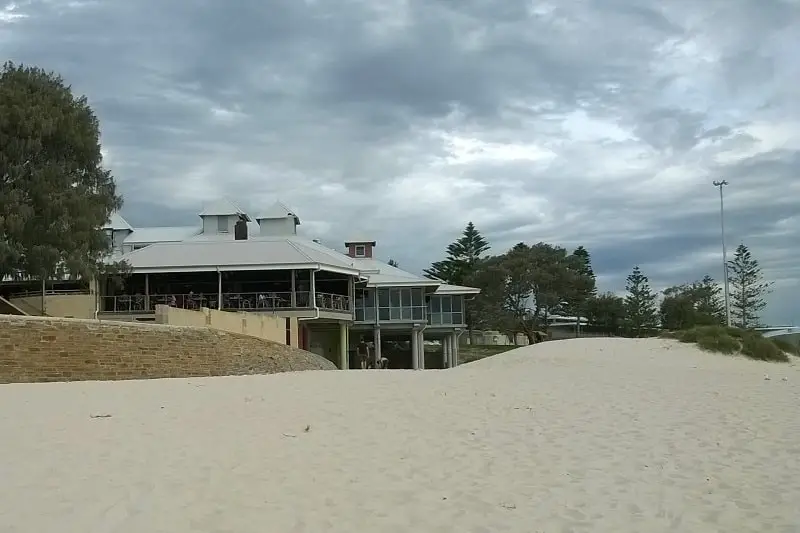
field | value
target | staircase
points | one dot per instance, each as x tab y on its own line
7	308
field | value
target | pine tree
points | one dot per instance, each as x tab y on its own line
393	263
461	258
640	303
748	288
583	286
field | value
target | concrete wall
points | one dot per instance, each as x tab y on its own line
325	343
58	305
35	349
267	327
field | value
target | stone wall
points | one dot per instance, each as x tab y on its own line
34	349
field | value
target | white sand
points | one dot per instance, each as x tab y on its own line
583	435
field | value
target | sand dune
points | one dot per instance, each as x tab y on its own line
583	435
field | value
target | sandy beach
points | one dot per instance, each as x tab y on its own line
588	435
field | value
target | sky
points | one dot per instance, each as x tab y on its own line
600	123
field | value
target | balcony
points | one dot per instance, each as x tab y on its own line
231	301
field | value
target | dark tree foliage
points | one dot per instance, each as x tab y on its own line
393	263
606	313
640	303
748	288
55	195
686	306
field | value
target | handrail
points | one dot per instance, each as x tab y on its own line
49	292
231	301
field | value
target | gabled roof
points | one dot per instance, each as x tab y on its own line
116	222
252	254
278	210
222	207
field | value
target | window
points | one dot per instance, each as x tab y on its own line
361	250
222	224
446	310
138	246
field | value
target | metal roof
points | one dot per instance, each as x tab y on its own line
222	207
379	273
445	288
252	254
161	234
116	222
278	210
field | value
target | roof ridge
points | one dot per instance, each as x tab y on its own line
294	245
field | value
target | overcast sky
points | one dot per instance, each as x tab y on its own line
593	122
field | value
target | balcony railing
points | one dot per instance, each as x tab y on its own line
232	301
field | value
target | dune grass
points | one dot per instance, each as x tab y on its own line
735	341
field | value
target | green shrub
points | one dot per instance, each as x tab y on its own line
719	343
763	349
747	342
786	346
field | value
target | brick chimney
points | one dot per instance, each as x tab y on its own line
360	249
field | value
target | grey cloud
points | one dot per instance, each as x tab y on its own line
348	97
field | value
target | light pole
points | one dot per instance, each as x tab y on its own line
720	185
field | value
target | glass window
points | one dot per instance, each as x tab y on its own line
383	314
458	303
446	304
417	313
436	304
222	224
406	297
436	318
416	297
383	298
405	313
369	314
395	298
394	313
359	314
458	318
361	250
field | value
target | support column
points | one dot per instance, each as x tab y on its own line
377	340
293	296
455	349
421	340
344	363
147	292
414	349
219	289
312	291
446	352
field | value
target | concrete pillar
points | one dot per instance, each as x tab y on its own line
377	341
446	352
344	363
219	289
293	296
454	340
414	349
312	291
421	340
147	292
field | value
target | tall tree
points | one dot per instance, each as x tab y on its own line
699	304
461	257
606	312
709	304
748	288
55	195
584	286
393	263
640	303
